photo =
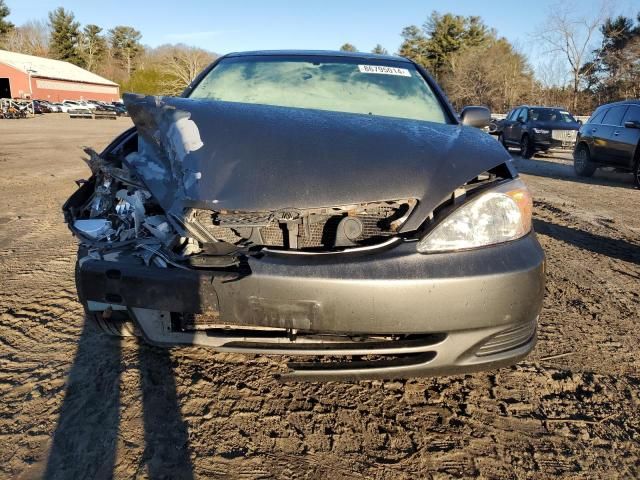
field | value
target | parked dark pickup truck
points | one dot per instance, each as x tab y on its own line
320	204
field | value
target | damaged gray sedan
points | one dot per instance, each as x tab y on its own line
327	206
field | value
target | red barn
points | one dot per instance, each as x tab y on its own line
38	78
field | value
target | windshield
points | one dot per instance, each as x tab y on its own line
371	87
551	115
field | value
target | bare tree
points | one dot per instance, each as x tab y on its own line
569	32
182	64
31	38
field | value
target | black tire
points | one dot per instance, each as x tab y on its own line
636	172
501	140
582	162
115	327
526	147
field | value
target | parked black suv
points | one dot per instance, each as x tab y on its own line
610	138
535	129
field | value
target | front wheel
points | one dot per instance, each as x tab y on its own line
502	142
636	173
526	147
115	324
582	162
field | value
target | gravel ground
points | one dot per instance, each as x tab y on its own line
74	404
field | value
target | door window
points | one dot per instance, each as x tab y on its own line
522	115
614	115
597	118
633	113
512	114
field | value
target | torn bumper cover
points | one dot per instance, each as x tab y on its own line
212	225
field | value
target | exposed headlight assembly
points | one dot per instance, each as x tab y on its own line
495	216
540	130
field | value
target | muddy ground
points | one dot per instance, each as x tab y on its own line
74	404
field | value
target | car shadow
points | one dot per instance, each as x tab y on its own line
611	247
85	440
540	167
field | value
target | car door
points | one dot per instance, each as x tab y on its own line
626	139
611	151
507	124
591	130
519	125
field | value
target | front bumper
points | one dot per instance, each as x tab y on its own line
460	307
546	142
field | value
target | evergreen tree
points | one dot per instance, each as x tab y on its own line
5	26
65	33
125	46
440	38
93	46
347	47
379	50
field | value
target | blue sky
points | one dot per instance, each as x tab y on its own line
228	26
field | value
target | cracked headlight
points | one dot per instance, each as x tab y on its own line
498	215
540	130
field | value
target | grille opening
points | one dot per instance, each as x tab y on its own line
301	229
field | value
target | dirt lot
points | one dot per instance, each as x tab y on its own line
74	404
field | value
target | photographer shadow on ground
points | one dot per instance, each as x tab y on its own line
86	441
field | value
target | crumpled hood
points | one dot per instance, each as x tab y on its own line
236	156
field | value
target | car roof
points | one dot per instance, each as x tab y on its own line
541	106
319	53
621	102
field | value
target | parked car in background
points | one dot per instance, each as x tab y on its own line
312	203
120	108
610	138
537	129
79	104
57	107
53	107
40	107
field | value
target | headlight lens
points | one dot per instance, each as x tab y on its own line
499	215
540	130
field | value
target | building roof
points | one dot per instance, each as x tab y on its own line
48	68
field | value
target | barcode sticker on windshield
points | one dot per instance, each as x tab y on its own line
384	70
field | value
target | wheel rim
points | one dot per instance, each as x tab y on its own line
638	174
525	145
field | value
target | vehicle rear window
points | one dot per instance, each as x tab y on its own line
614	115
551	115
633	113
364	86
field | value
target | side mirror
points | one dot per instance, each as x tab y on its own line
475	116
632	124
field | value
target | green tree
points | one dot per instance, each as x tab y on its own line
347	47
65	32
5	26
125	46
379	50
440	38
93	46
614	72
414	45
148	81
